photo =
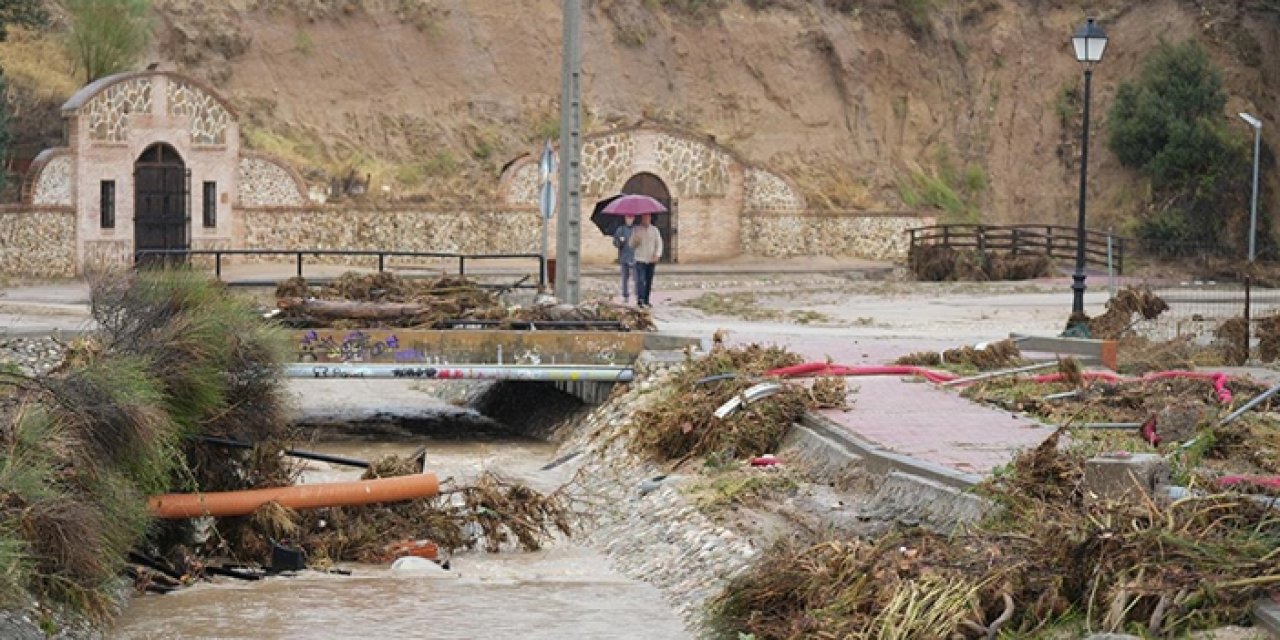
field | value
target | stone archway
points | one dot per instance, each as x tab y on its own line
648	184
162	199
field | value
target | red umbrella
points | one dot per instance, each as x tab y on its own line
633	205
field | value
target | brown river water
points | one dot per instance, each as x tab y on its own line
563	591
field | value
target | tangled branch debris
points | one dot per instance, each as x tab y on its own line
384	300
1118	318
932	263
996	355
490	512
681	424
1166	568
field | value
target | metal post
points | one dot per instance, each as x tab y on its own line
217	265
299	264
1077	279
1248	282
381	261
1111	268
462	265
1253	207
568	231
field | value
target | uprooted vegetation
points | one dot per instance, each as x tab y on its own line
1050	558
1118	319
385	300
996	355
932	263
144	406
489	511
681	424
83	447
1179	417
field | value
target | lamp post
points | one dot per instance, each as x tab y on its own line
1253	205
1089	43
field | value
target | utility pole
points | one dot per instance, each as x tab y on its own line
569	227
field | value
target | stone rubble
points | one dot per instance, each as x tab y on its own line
32	356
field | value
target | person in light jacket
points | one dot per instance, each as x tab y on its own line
626	257
647	241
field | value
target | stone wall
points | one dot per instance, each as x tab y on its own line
37	242
607	162
263	182
870	235
406	228
209	119
53	185
108	114
524	184
769	192
692	168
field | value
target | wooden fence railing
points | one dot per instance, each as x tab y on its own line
1058	242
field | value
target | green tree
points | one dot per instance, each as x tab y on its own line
107	36
1169	126
27	13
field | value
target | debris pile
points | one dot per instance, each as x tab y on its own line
931	263
384	300
1118	318
683	422
490	512
1232	339
1052	559
995	355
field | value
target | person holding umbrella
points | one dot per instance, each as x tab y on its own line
626	257
647	241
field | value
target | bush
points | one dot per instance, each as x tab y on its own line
1168	125
107	36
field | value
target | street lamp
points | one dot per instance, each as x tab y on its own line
1253	206
1089	43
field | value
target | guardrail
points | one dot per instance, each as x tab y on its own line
140	257
1054	241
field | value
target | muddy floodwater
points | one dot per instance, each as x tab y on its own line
563	591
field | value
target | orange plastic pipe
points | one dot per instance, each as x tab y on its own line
302	496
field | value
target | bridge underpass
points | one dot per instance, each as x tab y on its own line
586	364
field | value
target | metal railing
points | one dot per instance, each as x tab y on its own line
298	254
1054	241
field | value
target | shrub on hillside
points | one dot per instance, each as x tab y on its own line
1169	125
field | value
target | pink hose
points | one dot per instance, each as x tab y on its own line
1219	380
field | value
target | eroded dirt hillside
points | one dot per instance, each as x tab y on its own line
869	105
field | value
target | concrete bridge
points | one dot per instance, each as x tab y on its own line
585	364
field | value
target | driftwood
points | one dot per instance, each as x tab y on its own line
346	309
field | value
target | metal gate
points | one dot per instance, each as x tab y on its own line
162	204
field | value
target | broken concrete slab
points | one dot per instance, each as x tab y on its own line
1124	476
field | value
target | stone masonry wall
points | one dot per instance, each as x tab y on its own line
209	120
37	242
53	186
524	185
607	162
693	168
263	183
769	192
513	230
874	236
107	115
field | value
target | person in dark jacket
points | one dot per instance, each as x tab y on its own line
626	257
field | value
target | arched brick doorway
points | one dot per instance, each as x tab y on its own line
650	185
162	200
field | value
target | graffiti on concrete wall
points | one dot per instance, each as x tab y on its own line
320	345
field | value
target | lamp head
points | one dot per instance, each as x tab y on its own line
1253	122
1089	42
